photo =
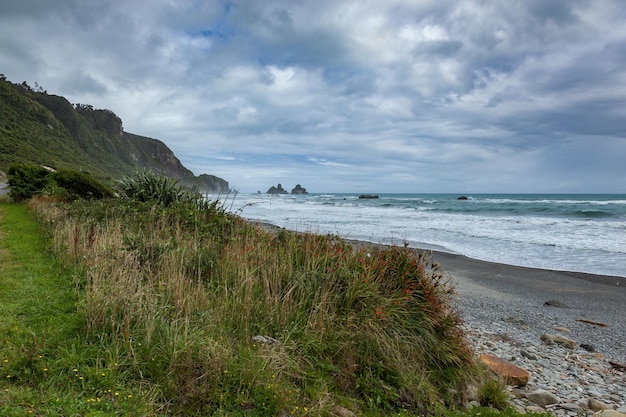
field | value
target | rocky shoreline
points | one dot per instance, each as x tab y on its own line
566	330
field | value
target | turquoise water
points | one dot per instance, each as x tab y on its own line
585	233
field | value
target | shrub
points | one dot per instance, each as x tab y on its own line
27	180
80	185
147	186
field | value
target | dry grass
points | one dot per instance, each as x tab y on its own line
176	297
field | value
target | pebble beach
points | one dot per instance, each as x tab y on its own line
567	330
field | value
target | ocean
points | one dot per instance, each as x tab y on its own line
582	233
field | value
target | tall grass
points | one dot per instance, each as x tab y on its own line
217	316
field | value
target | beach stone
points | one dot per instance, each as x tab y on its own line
512	374
570	407
597	405
608	413
555	303
550	339
528	355
534	409
543	397
588	347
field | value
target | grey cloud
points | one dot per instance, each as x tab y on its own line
484	95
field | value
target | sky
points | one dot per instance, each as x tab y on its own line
363	96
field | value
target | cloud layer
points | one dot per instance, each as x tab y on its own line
355	96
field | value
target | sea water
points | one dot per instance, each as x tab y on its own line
583	233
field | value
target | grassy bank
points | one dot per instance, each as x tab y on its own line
188	310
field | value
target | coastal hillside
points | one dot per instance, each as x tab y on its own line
45	129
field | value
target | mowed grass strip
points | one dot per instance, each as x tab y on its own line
37	297
46	366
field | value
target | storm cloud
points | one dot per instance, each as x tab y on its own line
355	96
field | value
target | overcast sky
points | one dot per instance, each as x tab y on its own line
462	96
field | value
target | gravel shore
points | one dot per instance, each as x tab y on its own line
496	296
508	312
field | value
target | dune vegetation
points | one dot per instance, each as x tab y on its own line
162	302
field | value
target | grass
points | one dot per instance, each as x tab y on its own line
126	308
47	366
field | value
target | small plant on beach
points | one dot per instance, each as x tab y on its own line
493	394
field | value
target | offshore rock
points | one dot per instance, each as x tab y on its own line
277	190
298	189
512	374
368	196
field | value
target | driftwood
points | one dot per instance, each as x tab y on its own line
595	323
618	365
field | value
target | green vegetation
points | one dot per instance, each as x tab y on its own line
27	180
47	365
44	129
185	309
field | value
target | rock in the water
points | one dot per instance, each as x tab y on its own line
512	374
368	196
543	397
277	190
298	189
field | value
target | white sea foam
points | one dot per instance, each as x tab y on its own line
553	233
